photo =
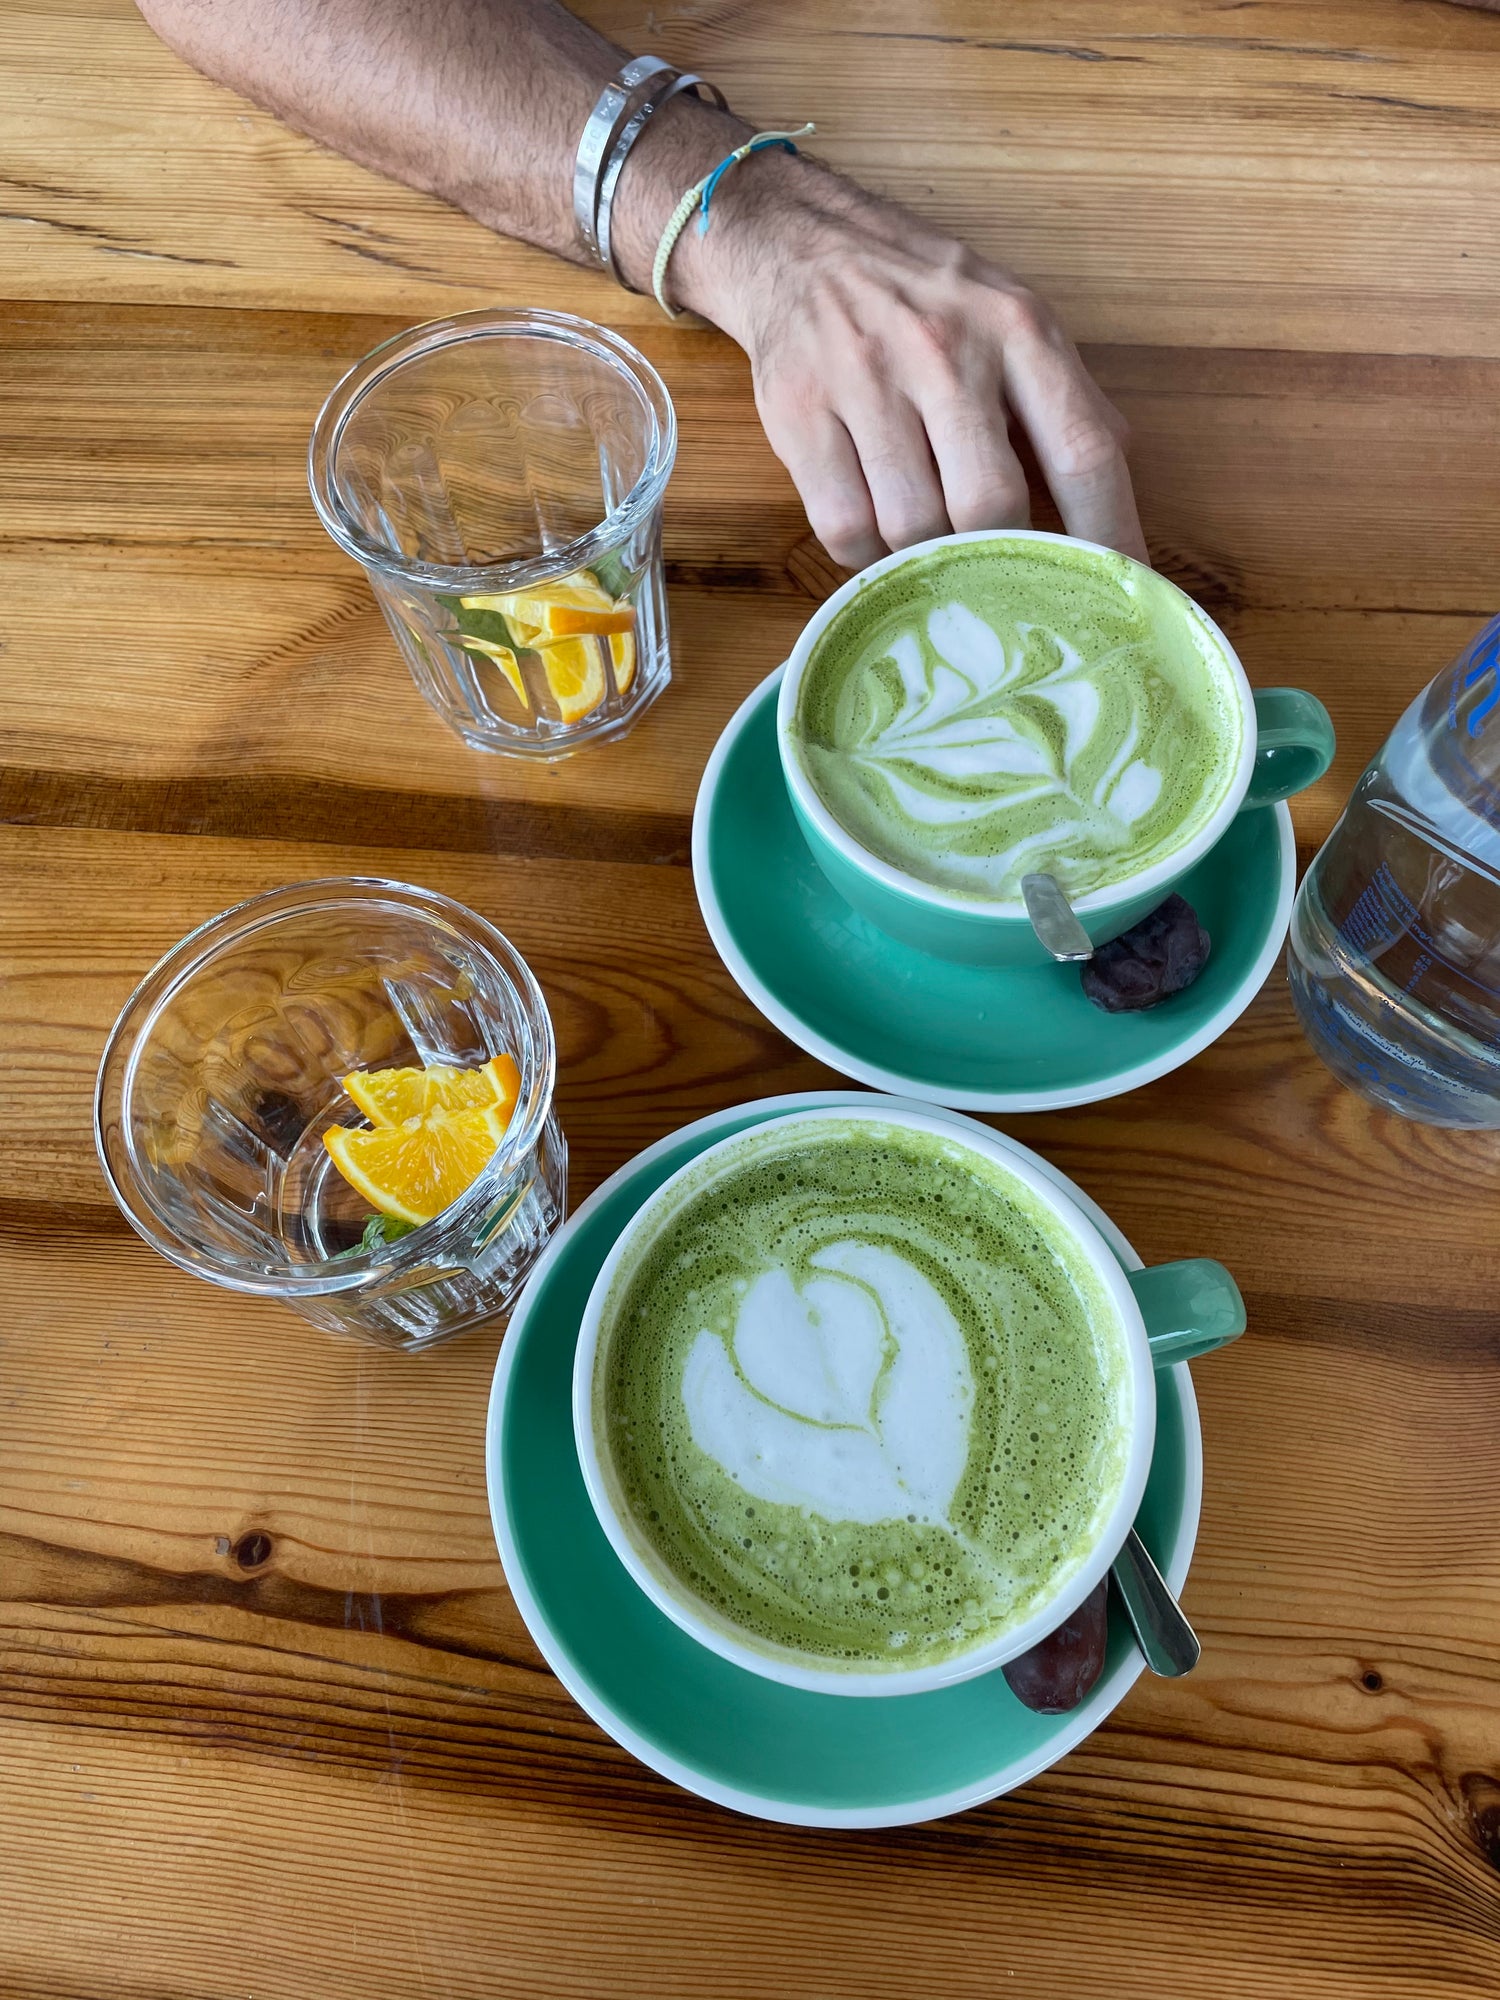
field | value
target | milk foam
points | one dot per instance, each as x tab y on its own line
1005	707
848	1399
860	1396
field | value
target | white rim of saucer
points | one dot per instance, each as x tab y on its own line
1081	1723
926	1088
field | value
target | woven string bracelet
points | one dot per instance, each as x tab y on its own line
661	92
700	195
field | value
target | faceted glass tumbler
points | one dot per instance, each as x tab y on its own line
226	1067
499	475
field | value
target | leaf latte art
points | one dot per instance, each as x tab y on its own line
861	1398
998	708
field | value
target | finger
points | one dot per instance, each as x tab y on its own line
1077	435
897	463
984	485
818	452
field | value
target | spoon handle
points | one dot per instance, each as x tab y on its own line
1168	1644
1057	928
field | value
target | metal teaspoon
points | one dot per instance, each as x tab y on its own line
1057	928
1168	1644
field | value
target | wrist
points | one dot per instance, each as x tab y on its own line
764	202
763	215
684	141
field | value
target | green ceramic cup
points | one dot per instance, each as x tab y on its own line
1163	1314
1287	742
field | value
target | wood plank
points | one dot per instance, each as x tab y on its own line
650	1030
159	426
1265	477
364	1471
294	718
1252	1153
293	1636
173	1853
187	651
270	1722
1299	175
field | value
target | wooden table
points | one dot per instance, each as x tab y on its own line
271	1723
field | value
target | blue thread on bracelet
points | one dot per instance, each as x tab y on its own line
700	194
743	153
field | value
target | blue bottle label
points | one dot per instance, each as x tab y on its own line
1466	753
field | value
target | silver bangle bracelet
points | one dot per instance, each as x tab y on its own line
654	102
620	115
616	105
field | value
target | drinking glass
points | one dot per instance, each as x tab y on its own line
226	1067
499	475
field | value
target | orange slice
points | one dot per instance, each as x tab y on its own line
575	675
563	620
391	1096
578	604
505	660
622	659
416	1169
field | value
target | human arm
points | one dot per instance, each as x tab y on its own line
885	355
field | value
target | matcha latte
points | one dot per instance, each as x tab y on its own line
859	1398
999	707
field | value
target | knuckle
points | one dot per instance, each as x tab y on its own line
859	352
939	340
904	523
847	532
989	503
964	263
1022	312
788	404
851	551
1085	447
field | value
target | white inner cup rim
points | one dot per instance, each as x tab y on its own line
654	1576
805	794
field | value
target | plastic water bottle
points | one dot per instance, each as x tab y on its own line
1394	957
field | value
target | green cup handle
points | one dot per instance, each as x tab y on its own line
1294	744
1189	1308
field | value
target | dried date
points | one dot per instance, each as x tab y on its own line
1061	1669
1150	962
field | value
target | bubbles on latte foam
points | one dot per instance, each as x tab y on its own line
905	1424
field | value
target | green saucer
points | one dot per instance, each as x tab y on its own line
749	1743
986	1039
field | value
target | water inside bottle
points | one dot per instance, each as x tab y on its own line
1394	958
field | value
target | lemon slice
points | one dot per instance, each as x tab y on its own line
577	604
391	1096
416	1169
575	676
622	659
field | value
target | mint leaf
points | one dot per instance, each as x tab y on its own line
489	626
612	573
473	623
379	1230
476	624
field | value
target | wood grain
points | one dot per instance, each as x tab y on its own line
224	657
254	1661
1253	1154
1281	173
270	1723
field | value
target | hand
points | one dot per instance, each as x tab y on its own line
888	361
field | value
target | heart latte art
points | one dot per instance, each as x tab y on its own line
1003	707
861	1398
